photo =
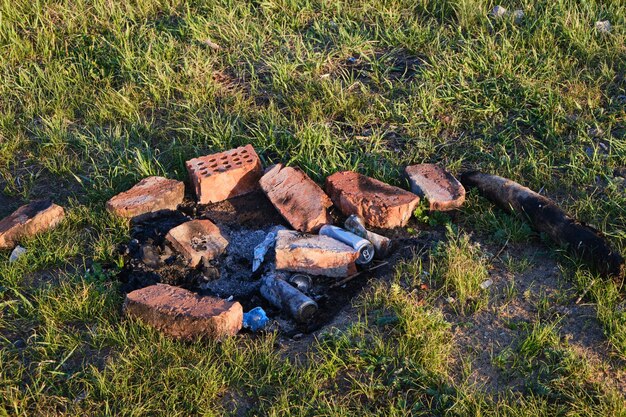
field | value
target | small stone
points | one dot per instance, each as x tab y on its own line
441	189
149	195
603	26
486	284
17	253
225	175
518	16
498	12
379	204
28	221
150	256
314	254
595	132
184	315
196	240
208	42
297	197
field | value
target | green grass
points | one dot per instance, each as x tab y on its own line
95	95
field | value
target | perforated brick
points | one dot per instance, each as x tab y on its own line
225	175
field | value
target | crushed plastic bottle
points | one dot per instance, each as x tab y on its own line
255	319
261	249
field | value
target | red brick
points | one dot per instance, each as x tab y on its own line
297	197
441	189
197	239
225	175
314	254
184	315
379	204
29	220
149	195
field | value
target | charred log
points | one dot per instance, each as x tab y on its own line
545	216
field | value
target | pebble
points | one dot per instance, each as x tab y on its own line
17	253
498	12
486	284
603	26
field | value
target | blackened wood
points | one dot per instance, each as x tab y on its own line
544	215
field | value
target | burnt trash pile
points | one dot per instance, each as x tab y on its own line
264	246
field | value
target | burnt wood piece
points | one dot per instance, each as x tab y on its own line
545	216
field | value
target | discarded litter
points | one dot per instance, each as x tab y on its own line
261	250
363	246
603	26
382	244
288	298
17	252
498	12
302	282
486	284
255	319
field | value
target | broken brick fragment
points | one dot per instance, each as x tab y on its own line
152	194
184	315
297	197
379	204
442	190
29	220
197	239
314	254
225	175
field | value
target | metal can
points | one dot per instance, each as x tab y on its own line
363	246
382	244
286	297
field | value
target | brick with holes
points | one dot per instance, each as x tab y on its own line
225	175
196	240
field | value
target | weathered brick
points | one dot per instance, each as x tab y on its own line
297	197
184	315
441	189
379	204
152	194
225	175
29	220
314	254
197	239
